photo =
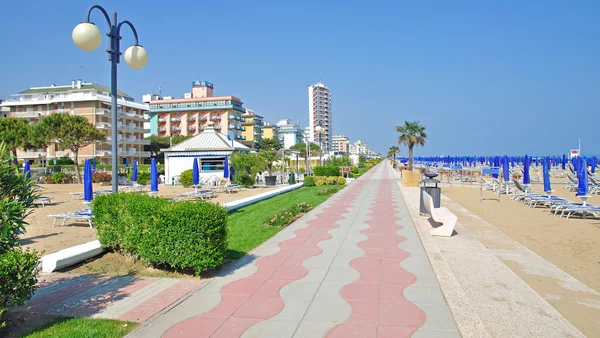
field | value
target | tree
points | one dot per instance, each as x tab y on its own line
72	132
246	166
339	161
18	268
268	151
162	142
18	133
301	146
393	152
411	134
269	144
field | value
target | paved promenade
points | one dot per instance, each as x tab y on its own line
352	267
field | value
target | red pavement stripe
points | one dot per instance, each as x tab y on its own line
161	301
376	297
96	303
243	304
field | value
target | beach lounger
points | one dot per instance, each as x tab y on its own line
43	200
440	215
83	215
202	194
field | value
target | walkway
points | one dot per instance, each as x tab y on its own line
354	266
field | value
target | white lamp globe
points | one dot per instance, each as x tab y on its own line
87	36
318	129
136	57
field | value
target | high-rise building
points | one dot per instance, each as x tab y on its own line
320	114
289	133
254	128
340	144
190	115
93	102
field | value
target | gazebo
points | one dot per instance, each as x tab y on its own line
209	147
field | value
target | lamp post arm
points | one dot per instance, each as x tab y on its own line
132	29
106	16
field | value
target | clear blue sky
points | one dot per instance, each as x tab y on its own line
485	77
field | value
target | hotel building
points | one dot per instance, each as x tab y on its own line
254	128
289	133
270	131
93	102
191	114
340	144
320	114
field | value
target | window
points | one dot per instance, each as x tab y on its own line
212	164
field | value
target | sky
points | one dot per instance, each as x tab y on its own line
485	77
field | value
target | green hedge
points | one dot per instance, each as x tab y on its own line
328	170
18	277
179	235
186	178
309	181
143	176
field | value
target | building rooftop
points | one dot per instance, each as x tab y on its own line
208	140
85	86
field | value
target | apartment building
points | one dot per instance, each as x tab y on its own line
190	115
253	132
289	133
93	102
359	148
320	111
270	131
340	144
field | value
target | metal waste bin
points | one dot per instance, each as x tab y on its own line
292	179
430	186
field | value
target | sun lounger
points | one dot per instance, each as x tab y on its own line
440	215
229	188
83	215
202	194
43	200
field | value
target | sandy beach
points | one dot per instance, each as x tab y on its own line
41	236
571	244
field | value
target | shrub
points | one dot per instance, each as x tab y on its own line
329	170
64	161
309	181
186	179
331	180
244	179
18	269
350	175
180	235
143	176
329	191
101	177
341	180
287	216
319	182
61	177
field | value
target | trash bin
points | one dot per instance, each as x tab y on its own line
430	186
292	179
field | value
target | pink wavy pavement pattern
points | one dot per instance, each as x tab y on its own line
247	301
379	308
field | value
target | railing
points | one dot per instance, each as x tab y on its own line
231	116
175	119
203	118
162	119
231	126
243	128
242	119
191	119
102	111
176	128
237	118
191	128
103	125
27	114
31	154
213	118
238	128
162	129
243	137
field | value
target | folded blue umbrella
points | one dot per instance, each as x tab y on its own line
88	192
505	169
593	164
526	179
153	176
195	172
27	169
582	177
226	167
546	166
134	174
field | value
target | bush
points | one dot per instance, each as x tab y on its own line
350	175
341	180
64	161
179	235
61	177
319	182
143	176
331	180
244	179
18	269
287	216
186	179
329	170
101	177
309	181
329	191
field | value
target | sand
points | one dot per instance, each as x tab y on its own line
41	236
571	244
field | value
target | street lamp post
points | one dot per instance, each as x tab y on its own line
88	37
320	130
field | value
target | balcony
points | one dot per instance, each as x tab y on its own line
215	118
142	154
237	118
191	119
192	128
175	119
162	129
203	118
231	116
242	119
243	137
231	126
103	125
238	128
243	128
102	111
27	114
175	129
162	119
31	154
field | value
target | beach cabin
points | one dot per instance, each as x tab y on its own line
209	147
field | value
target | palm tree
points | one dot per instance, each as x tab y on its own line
411	134
392	152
